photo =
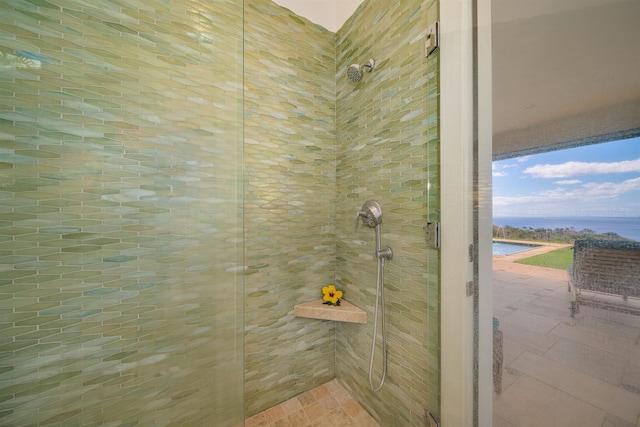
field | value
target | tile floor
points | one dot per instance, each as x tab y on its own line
557	371
560	371
328	405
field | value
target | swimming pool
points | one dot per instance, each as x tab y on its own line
504	248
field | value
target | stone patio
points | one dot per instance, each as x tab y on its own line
559	371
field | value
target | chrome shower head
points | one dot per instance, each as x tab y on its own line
354	72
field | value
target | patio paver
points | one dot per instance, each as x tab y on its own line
557	370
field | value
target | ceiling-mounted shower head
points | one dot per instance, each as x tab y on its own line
354	72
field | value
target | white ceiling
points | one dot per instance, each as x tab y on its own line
565	72
331	14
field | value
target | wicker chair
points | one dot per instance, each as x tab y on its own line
605	274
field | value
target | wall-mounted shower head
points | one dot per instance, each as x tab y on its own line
354	72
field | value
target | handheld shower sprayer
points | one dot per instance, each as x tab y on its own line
371	214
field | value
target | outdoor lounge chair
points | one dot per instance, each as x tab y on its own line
605	274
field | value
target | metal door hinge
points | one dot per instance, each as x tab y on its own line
431	421
433	39
470	288
432	234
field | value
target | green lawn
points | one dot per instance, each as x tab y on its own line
560	258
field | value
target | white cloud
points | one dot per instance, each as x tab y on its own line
569	169
593	190
563	200
500	169
607	190
569	182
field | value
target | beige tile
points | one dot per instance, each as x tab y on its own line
549	306
328	403
622	344
323	422
613	421
607	397
365	420
333	385
291	406
306	399
511	350
602	343
631	377
341	395
334	419
611	317
298	418
589	360
532	340
314	411
352	408
320	392
530	403
530	321
498	421
274	414
604	321
318	407
509	376
259	420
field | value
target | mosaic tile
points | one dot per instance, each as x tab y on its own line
123	119
287	188
71	140
388	162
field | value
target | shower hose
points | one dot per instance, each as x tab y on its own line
379	308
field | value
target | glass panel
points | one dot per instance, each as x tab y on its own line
566	311
120	213
389	151
566	148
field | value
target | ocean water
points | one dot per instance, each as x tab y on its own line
628	227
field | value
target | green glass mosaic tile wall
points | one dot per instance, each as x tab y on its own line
388	150
120	213
290	185
311	159
121	236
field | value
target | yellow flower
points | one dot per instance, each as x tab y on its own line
331	295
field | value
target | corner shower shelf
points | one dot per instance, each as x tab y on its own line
345	312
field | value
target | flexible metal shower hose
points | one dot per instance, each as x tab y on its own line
379	297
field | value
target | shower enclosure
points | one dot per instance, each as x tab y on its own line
177	176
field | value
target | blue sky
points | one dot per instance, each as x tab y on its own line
593	180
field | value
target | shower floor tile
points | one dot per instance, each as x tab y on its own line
328	405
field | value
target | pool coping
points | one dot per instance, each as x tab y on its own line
542	248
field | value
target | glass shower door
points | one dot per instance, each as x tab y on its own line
121	213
